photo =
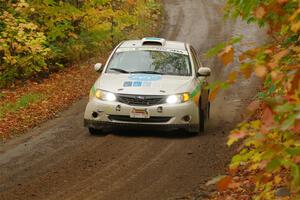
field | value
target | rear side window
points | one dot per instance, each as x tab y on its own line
195	59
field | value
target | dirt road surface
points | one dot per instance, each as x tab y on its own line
60	160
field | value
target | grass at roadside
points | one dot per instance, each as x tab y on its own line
29	105
21	103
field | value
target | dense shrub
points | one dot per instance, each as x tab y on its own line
23	50
42	35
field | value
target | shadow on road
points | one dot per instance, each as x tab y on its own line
178	134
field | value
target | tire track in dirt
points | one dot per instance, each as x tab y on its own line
132	175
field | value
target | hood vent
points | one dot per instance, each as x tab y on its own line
153	42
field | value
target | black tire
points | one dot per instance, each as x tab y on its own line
208	110
201	120
94	131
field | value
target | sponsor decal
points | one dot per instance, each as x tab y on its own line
145	77
137	84
93	91
123	49
127	84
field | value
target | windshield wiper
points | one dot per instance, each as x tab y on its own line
119	70
146	72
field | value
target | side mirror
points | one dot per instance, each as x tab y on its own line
98	67
204	71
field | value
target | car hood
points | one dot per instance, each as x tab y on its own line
147	84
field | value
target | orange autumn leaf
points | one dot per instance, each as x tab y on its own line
243	57
295	27
227	55
249	54
253	106
277	76
260	12
214	93
296	129
74	35
277	57
296	159
196	98
260	71
232	77
253	52
277	180
295	14
224	183
268	117
131	2
272	65
266	177
237	135
246	70
289	67
234	185
295	84
233	170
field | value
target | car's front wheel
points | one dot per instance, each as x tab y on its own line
208	110
201	120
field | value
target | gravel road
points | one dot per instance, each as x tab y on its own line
60	160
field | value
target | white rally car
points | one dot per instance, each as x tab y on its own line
150	83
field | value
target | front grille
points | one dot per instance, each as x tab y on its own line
125	118
141	100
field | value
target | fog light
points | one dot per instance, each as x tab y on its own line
187	118
95	114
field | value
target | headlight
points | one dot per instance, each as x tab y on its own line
105	96
178	98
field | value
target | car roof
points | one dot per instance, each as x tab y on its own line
157	42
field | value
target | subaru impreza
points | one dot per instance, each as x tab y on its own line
150	83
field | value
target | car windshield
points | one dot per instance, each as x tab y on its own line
150	62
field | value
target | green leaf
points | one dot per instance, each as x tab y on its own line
297	115
217	49
273	165
262	95
295	173
236	40
237	159
288	123
295	151
285	108
214	51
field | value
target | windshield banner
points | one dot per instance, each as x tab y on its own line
152	49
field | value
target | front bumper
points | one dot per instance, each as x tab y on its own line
116	114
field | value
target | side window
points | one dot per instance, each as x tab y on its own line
198	59
195	59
